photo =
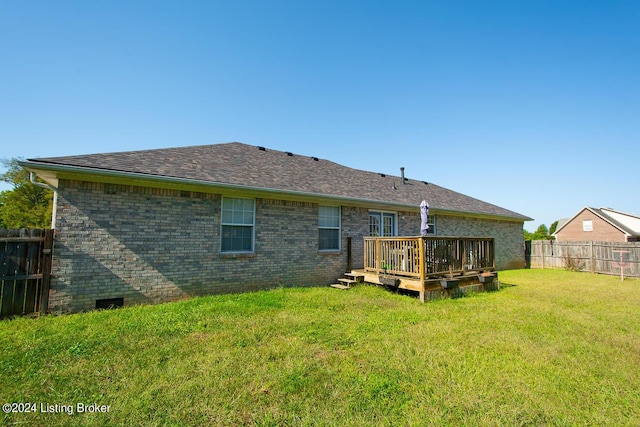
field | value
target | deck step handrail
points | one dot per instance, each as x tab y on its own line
428	256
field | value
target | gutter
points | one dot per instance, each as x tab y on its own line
32	178
31	165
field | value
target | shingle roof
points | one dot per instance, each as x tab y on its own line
256	167
630	224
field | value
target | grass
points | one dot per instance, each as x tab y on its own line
551	348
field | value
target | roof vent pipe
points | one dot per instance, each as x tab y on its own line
402	174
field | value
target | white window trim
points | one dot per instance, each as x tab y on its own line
253	227
339	228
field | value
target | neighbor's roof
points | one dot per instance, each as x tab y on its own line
629	224
245	166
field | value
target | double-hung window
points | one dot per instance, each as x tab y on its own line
431	222
238	222
329	228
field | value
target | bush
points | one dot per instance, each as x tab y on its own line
572	264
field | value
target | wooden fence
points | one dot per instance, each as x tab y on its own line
594	257
25	271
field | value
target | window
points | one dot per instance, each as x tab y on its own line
388	223
587	225
431	222
237	224
382	224
329	228
374	225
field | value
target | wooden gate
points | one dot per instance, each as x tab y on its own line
25	271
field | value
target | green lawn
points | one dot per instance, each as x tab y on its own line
550	348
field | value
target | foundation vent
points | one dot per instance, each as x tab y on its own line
109	303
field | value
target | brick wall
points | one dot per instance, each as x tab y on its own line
355	224
409	223
508	236
151	245
602	230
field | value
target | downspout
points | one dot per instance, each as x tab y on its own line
32	178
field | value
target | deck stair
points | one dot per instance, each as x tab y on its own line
348	280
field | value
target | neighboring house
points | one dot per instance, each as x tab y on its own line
159	225
603	225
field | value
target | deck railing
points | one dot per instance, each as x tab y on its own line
422	257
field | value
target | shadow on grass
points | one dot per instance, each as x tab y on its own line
506	285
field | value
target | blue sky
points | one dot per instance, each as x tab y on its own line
530	105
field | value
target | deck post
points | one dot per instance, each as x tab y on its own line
366	253
464	256
422	264
493	253
378	252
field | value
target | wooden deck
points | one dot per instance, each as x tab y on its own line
432	287
420	263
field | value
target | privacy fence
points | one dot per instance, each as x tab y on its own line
595	257
25	271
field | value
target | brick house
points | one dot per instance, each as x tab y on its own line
160	225
603	225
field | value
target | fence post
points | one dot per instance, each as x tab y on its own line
47	254
593	259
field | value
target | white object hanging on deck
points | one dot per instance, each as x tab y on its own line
424	215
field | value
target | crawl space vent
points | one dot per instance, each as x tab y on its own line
109	303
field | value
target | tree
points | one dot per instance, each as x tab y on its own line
541	233
26	205
553	227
